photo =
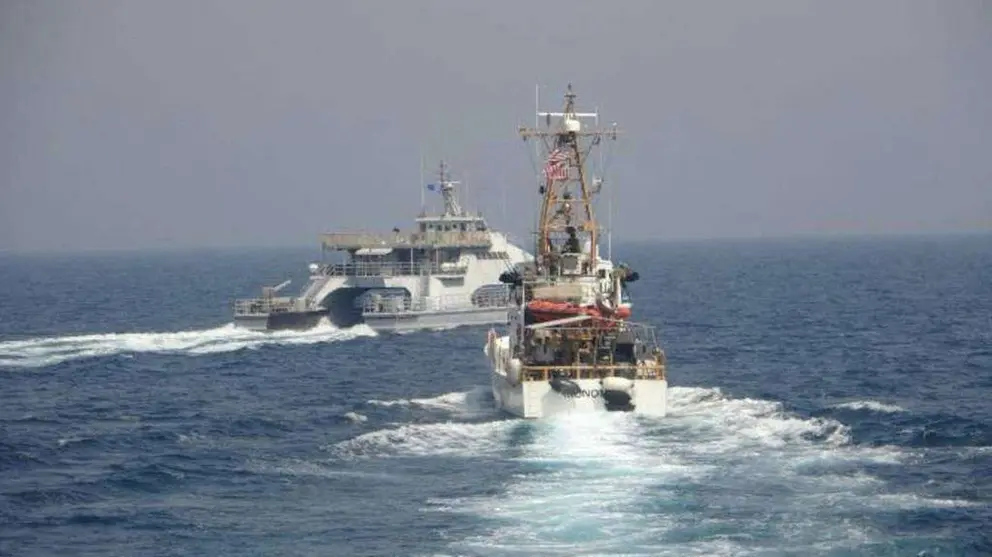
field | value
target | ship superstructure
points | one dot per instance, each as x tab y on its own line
569	344
443	273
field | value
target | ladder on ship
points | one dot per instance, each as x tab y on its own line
605	344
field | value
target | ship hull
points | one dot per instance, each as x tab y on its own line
540	399
381	322
283	321
410	321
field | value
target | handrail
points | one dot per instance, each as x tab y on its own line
394	304
264	306
357	240
642	370
392	268
592	348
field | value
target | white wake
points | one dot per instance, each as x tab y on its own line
718	476
46	351
871	405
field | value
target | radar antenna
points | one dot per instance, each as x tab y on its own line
451	205
566	180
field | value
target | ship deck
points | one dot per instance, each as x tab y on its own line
416	240
652	371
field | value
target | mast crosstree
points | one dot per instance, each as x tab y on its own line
566	145
447	187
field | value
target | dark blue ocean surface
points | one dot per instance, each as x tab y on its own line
829	397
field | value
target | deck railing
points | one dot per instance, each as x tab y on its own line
431	304
453	238
263	306
648	370
392	269
627	345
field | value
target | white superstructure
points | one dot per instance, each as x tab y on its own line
569	346
542	369
444	273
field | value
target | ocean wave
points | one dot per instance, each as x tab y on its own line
871	405
47	351
718	475
476	402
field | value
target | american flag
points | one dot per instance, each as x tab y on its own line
556	168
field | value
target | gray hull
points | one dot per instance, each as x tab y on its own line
401	321
409	321
283	321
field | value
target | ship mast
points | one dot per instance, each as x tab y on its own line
451	206
567	147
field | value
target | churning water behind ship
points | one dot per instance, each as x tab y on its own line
828	398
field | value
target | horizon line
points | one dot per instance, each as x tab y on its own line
813	236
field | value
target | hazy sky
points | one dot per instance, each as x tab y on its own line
208	123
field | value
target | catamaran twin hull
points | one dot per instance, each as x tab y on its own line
284	321
441	273
382	320
552	391
411	321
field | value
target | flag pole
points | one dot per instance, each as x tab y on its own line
537	154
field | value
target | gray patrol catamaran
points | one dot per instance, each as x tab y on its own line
444	273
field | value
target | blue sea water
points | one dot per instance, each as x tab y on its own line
828	397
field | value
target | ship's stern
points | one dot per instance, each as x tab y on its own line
650	397
258	322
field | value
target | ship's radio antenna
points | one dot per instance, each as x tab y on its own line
609	200
537	154
565	153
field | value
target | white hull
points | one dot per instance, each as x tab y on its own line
444	273
538	399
